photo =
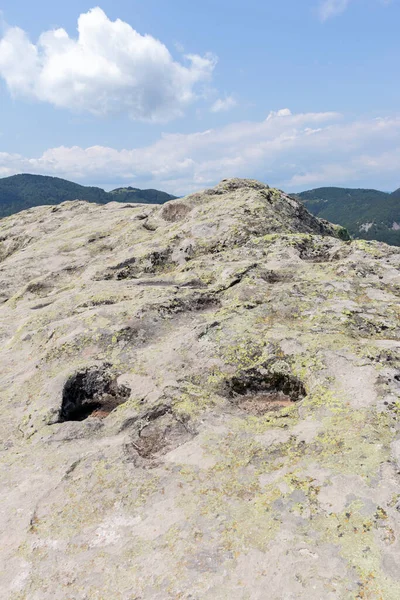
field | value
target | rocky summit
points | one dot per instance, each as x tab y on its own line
199	401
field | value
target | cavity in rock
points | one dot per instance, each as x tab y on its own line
260	390
158	432
91	392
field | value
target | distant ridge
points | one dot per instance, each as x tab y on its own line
20	192
366	214
131	194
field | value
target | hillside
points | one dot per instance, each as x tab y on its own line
367	214
20	192
198	401
130	194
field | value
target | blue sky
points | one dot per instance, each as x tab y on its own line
180	94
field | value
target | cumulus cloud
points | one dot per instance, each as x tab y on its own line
223	104
109	67
291	151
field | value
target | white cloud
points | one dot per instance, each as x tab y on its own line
332	8
283	112
291	151
109	67
223	104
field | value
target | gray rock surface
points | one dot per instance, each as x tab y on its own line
198	401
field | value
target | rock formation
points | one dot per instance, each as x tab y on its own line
199	400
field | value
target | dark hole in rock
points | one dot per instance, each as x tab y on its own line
91	392
259	390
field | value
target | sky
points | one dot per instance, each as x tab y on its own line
179	94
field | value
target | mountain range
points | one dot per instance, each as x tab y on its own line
20	192
366	214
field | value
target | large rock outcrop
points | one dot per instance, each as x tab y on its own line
199	400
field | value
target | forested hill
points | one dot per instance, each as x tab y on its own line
367	214
20	192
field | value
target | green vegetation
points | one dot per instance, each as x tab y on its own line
20	192
130	194
367	214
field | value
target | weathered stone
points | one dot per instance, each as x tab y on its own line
198	400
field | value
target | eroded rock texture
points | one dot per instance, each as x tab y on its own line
198	401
